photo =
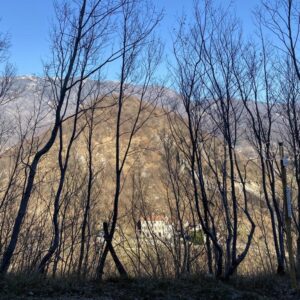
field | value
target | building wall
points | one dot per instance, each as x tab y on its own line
159	228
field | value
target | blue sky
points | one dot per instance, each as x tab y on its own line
28	22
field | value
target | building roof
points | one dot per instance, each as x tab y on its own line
155	218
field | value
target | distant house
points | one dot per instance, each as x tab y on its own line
155	226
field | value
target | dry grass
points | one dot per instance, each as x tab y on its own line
196	287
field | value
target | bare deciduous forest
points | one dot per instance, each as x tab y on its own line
152	183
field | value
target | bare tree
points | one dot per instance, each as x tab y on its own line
80	27
91	119
190	75
137	65
281	17
205	55
7	71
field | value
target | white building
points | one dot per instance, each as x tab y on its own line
155	227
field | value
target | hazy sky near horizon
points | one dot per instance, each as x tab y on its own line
28	24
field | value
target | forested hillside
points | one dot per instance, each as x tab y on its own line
149	177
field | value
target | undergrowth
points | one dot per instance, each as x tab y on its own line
34	286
